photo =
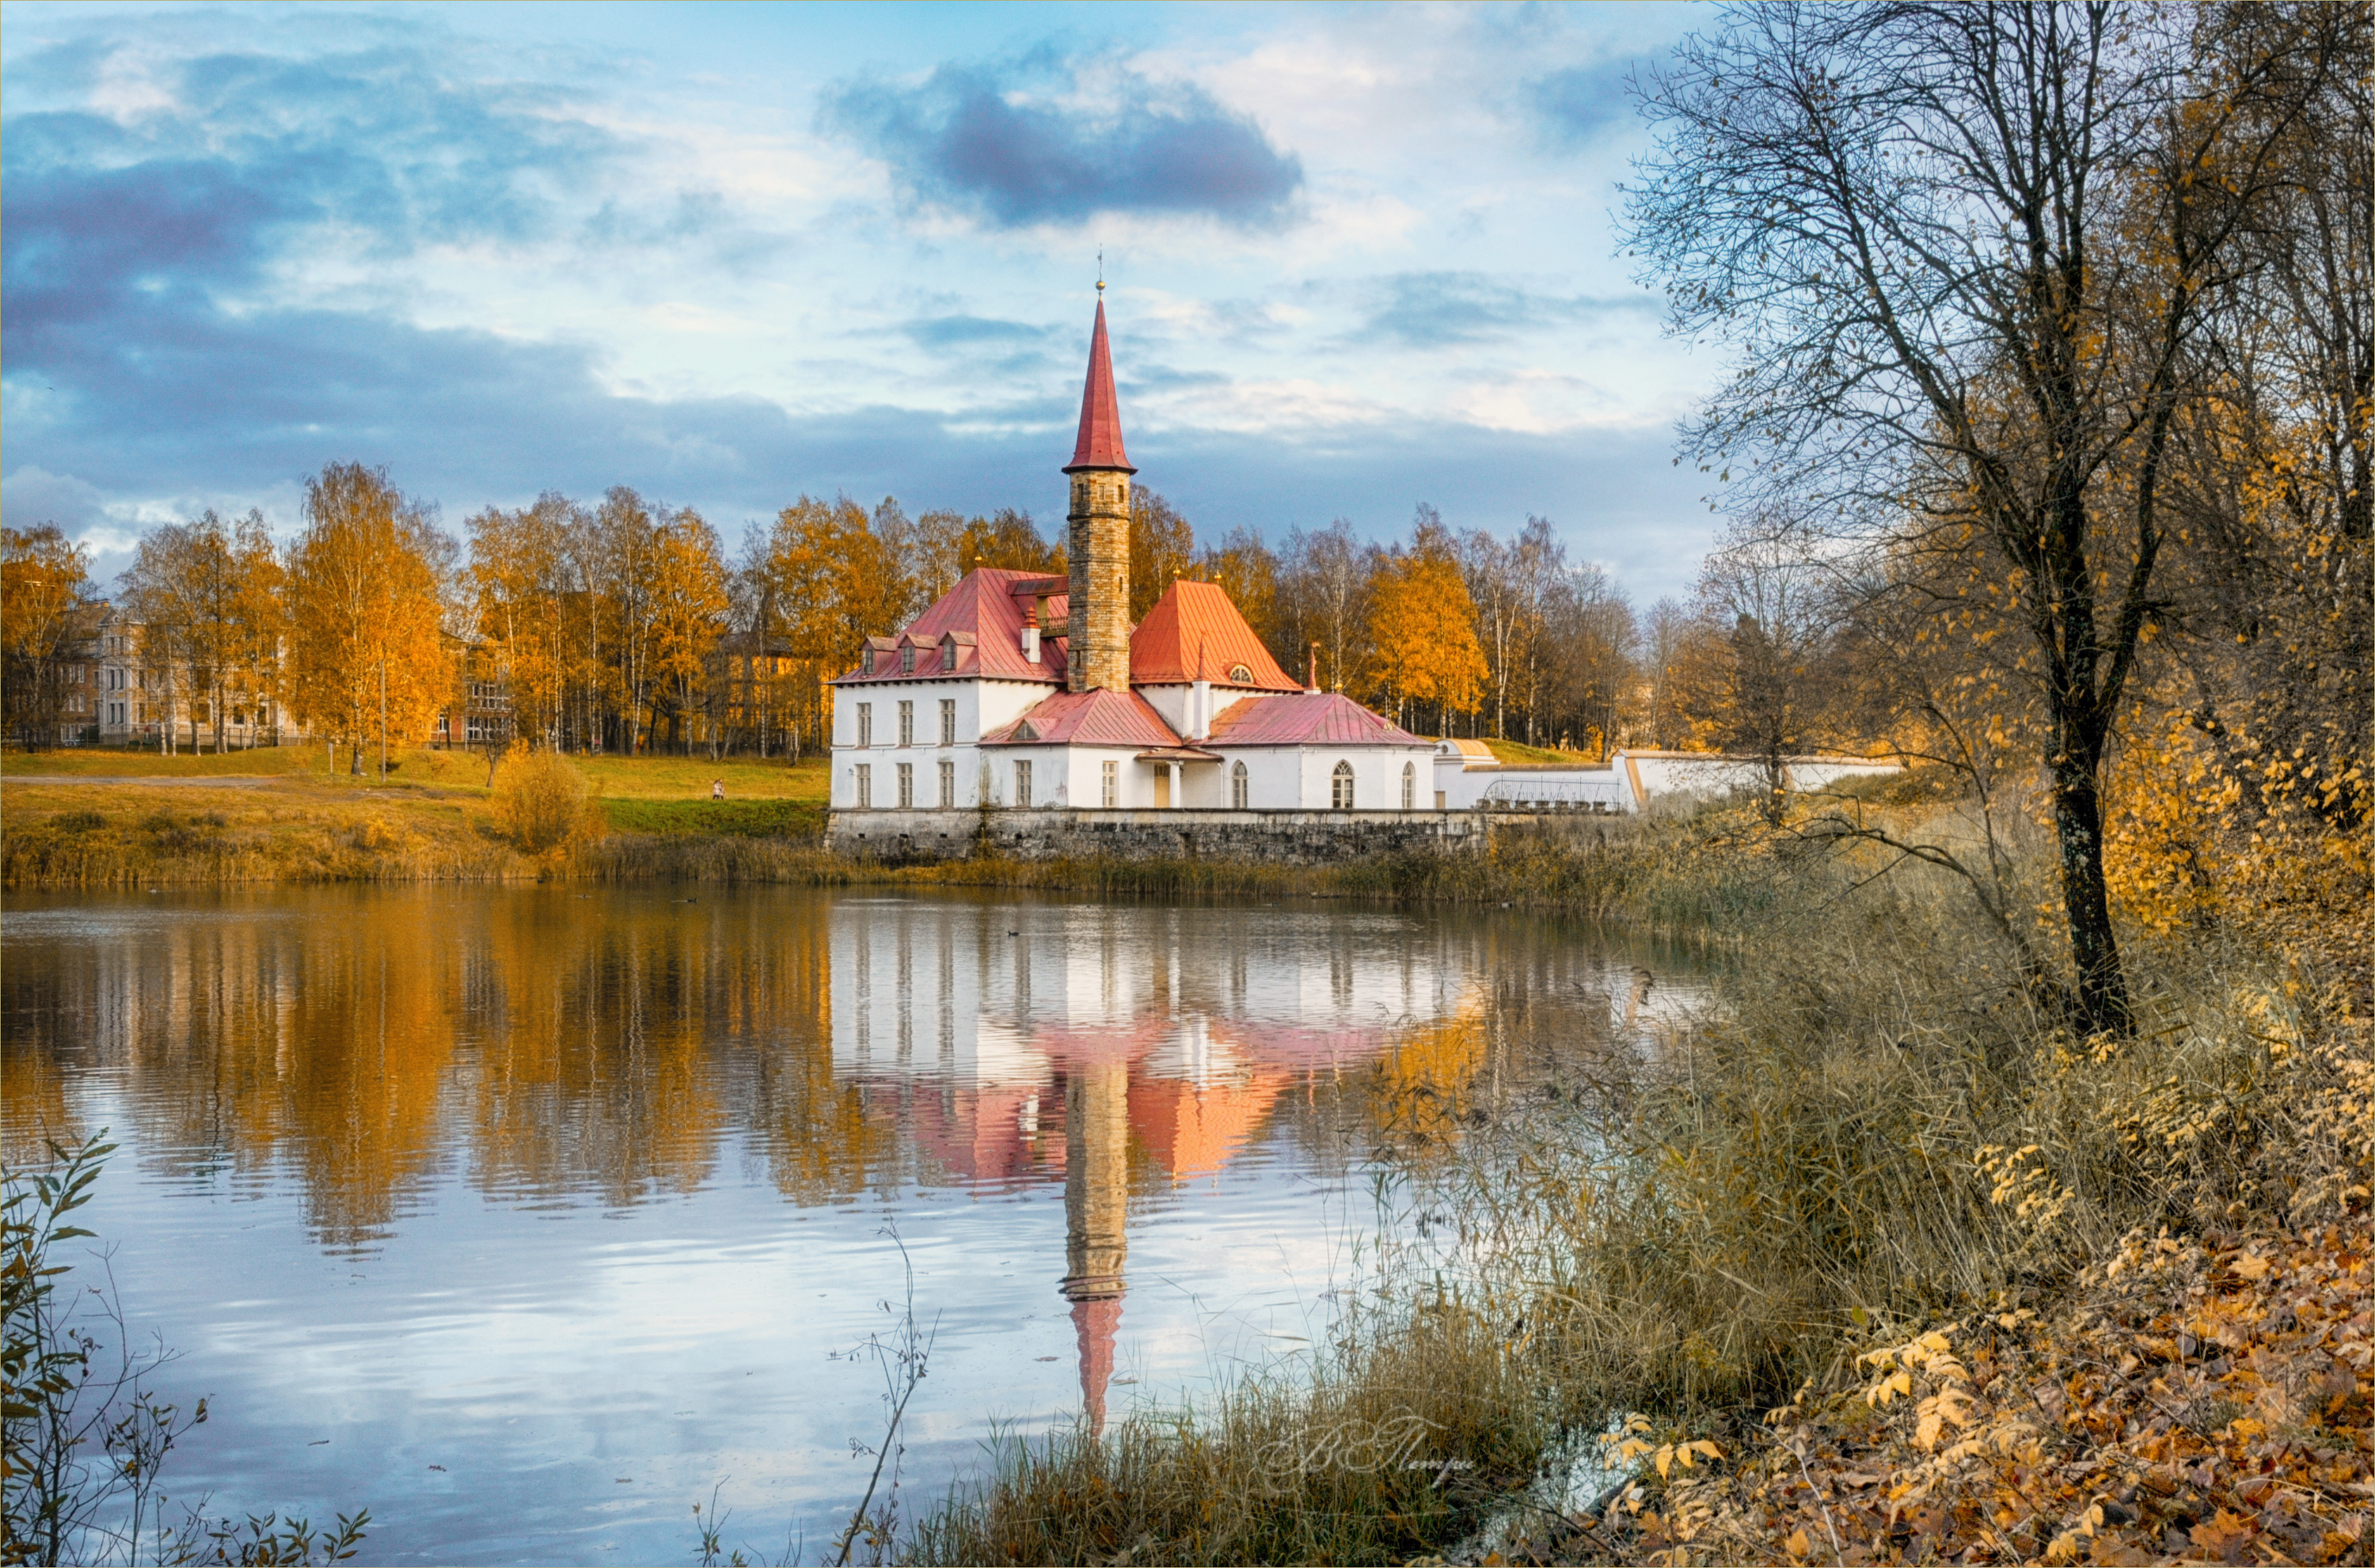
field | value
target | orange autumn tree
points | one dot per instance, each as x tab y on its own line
689	604
831	582
1422	630
518	585
366	606
41	589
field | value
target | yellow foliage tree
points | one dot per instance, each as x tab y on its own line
687	615
1162	545
366	610
41	577
518	583
1422	633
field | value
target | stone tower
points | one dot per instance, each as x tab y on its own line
1099	541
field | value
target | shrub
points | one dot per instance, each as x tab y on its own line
79	821
542	802
83	1433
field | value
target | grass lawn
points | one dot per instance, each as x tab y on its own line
1540	756
85	760
687	778
670	795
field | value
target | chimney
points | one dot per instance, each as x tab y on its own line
1311	686
1031	629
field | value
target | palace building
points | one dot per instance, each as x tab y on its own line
1021	692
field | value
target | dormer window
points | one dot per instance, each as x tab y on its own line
907	658
1241	674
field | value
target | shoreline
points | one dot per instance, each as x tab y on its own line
60	833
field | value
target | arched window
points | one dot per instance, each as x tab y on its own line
1409	786
1341	794
1237	790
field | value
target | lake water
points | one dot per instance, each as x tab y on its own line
530	1217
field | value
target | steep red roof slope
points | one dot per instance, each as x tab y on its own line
1194	631
1087	718
1306	718
985	615
1099	445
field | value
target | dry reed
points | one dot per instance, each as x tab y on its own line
1873	1122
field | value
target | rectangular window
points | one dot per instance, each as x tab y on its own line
907	786
865	785
948	721
947	786
1113	785
1022	784
906	724
865	724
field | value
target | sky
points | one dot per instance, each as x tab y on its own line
1359	258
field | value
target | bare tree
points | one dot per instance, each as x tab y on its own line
1962	251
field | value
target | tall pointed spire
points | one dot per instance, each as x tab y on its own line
1100	444
1096	657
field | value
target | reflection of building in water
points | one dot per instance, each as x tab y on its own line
978	1022
1096	1203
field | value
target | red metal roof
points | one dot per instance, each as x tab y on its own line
1100	442
1306	718
985	615
1195	632
1087	718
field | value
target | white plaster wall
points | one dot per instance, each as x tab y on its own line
981	705
1086	785
1273	777
1694	775
1377	777
1820	775
1462	787
1174	703
1206	785
1171	702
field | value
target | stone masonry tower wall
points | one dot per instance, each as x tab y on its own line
1098	543
1098	549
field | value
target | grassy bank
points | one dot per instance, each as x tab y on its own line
123	819
1881	1131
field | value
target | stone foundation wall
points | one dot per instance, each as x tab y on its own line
1297	838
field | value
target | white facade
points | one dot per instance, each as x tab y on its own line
1192	709
866	736
1630	780
869	749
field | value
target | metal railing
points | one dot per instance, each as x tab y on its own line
1556	794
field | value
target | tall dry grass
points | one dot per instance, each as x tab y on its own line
1874	1120
184	838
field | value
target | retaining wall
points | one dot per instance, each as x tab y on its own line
1297	838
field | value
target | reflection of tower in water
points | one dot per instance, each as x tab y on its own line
1097	1202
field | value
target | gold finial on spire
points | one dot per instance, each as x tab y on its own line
1101	269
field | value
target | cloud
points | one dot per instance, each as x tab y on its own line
1575	106
31	496
964	331
969	140
1438	309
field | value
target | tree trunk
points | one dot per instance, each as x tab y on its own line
2086	896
